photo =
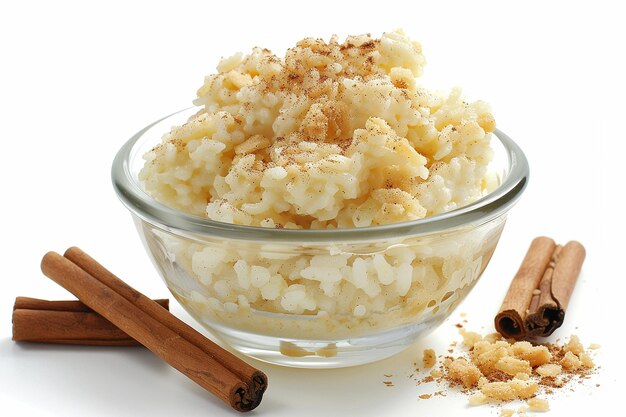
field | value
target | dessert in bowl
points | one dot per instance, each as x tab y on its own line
321	210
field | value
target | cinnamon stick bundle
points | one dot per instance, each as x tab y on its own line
215	369
539	294
66	322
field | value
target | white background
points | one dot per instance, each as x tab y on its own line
78	79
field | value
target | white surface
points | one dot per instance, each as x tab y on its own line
78	79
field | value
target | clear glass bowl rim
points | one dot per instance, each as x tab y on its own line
479	212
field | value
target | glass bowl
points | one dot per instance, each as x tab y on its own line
319	298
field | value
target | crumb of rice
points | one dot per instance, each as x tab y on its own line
549	370
464	372
570	361
478	399
538	404
429	358
507	412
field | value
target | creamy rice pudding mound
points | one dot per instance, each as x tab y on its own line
333	135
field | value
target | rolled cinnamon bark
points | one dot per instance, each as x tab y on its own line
566	271
66	322
255	380
510	320
539	294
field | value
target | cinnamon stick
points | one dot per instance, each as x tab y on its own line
223	374
66	322
539	294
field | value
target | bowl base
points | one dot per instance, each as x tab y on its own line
320	354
